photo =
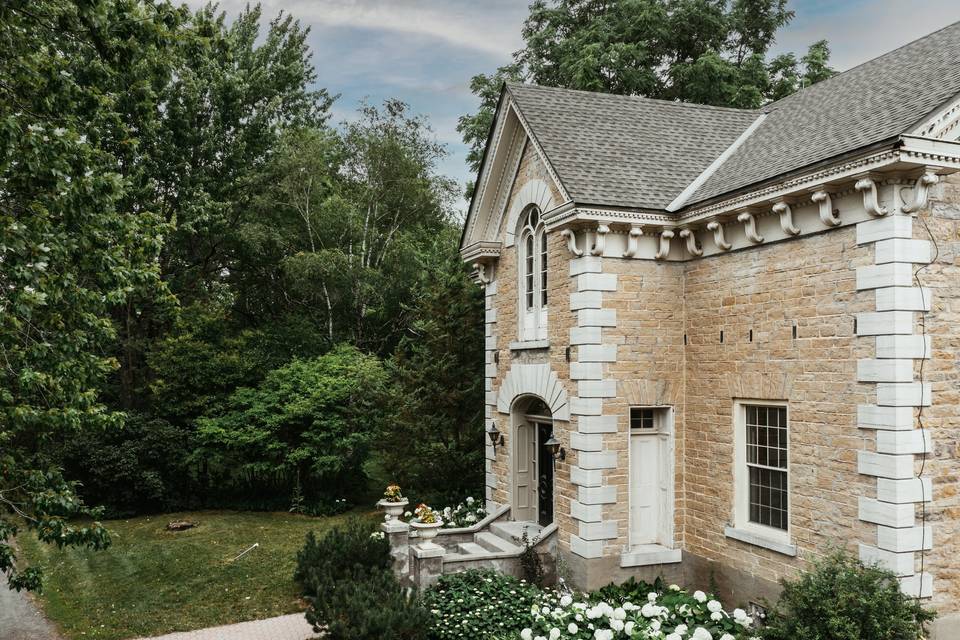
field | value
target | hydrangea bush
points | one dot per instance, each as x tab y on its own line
482	604
466	514
673	614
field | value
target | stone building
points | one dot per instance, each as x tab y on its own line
721	340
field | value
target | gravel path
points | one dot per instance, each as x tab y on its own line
20	618
290	627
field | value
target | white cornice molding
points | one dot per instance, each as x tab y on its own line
691	188
484	177
482	251
921	190
943	124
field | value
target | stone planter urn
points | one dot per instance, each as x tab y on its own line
393	510
425	531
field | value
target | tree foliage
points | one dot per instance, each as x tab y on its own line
705	51
310	423
78	85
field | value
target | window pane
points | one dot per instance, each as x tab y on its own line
766	442
543	268
641	418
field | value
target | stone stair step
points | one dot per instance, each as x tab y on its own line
470	549
494	543
512	531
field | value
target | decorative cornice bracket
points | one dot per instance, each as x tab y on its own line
571	239
482	273
783	210
664	250
750	227
822	199
633	241
921	191
871	201
691	239
601	242
717	227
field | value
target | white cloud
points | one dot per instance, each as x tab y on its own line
488	27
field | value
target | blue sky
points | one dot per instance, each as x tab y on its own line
425	51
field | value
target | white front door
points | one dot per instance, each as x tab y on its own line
646	488
525	472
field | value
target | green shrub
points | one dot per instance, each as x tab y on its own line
480	604
366	605
841	599
632	590
339	553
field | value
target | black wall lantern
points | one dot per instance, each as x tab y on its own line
553	445
496	438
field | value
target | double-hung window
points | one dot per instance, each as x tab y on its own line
762	473
532	262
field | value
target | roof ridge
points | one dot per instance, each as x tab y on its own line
831	79
527	85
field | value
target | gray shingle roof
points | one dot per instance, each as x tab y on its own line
868	104
626	150
636	152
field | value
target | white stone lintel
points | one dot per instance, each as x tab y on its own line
871	416
884	466
903	394
586	441
586	512
598	424
586	548
903	299
586	264
586	300
904	491
902	250
886	513
899	563
597	459
597	282
890	370
603	530
905	538
597	318
597	388
597	353
586	370
586	477
585	335
878	323
597	495
896	226
915	441
891	274
917	585
911	346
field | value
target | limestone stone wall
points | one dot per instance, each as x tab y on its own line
625	332
942	371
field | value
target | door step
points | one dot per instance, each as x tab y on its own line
470	549
512	531
494	543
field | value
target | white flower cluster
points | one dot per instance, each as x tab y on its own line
673	615
465	514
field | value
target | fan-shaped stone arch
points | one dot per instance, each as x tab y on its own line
534	379
533	192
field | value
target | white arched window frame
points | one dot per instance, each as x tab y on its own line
532	269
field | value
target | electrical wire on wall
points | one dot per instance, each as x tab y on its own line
923	435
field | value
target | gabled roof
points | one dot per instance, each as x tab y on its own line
632	152
626	151
869	104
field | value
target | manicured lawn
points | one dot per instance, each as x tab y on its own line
153	581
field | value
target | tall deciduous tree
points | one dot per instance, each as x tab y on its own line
706	51
78	85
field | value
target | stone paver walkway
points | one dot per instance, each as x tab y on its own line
20	618
291	627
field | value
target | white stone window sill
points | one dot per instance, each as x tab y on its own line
523	345
644	555
760	540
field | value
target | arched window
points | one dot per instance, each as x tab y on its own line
532	263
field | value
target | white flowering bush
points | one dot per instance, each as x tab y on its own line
466	514
673	614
